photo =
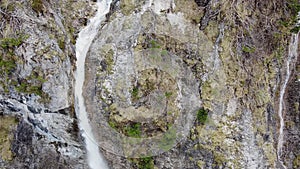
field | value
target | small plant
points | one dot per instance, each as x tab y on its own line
143	162
37	5
294	6
295	29
146	163
7	66
112	124
10	43
61	44
133	130
248	49
154	44
168	94
32	84
135	92
202	115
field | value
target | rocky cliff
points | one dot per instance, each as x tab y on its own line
38	123
169	84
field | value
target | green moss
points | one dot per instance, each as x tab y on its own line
202	115
32	84
112	124
109	60
133	130
294	5
37	5
7	66
7	125
168	94
154	44
200	163
295	29
143	162
219	159
296	162
127	6
146	163
25	87
248	49
61	44
135	93
10	43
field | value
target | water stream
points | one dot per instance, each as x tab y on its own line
85	38
292	55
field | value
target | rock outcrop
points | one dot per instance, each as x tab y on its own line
236	55
169	84
36	87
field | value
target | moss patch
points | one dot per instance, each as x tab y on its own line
202	115
143	163
7	125
296	162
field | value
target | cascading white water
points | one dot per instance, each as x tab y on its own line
85	38
292	55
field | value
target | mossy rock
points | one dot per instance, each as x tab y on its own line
7	126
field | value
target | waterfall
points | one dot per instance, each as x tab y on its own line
292	55
85	38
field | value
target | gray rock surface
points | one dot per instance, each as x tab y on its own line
216	64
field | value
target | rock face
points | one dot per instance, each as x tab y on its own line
36	87
226	47
292	154
169	84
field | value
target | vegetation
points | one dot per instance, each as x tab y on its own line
6	126
168	94
61	44
112	124
26	88
133	130
146	163
295	29
202	115
135	93
248	49
8	59
291	23
154	44
32	84
109	55
6	66
11	42
143	163
37	5
296	162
